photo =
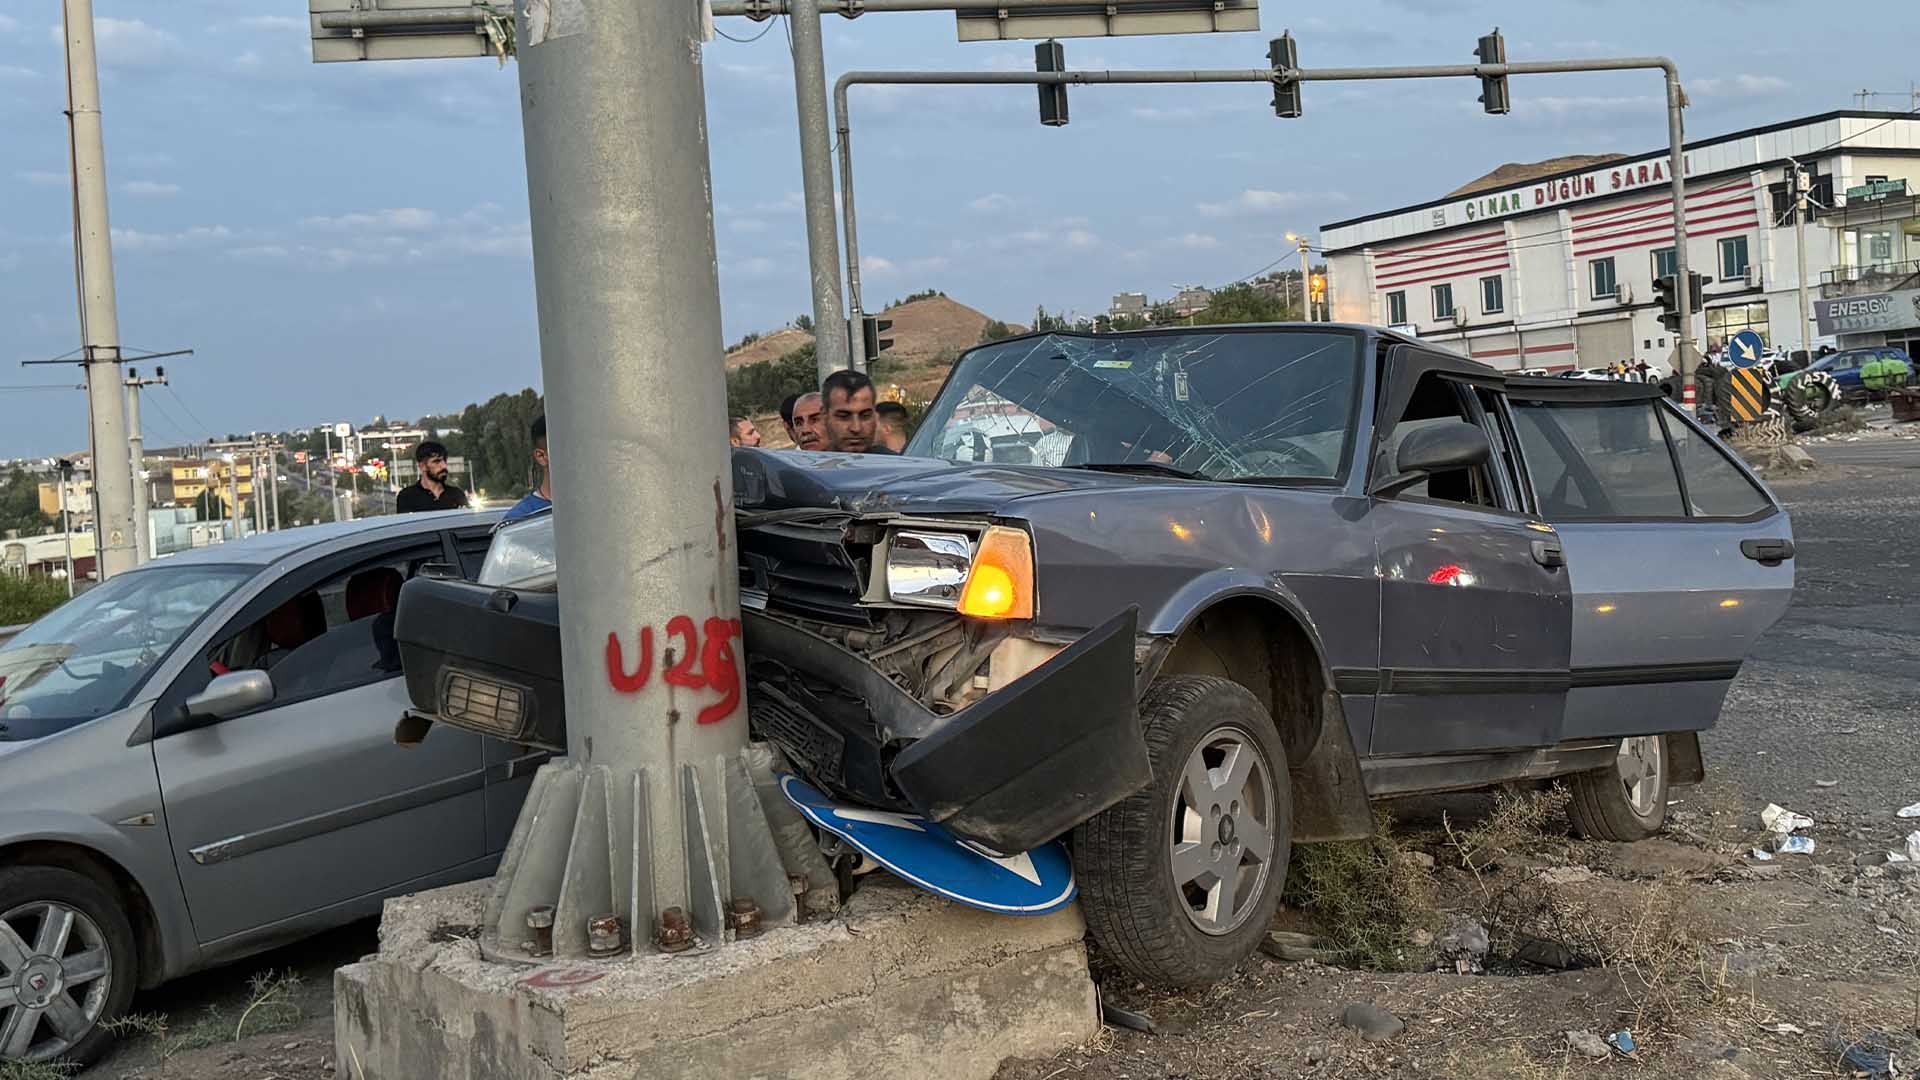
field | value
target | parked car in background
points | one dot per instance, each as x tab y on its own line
197	763
1272	573
1860	374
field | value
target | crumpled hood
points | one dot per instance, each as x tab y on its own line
882	483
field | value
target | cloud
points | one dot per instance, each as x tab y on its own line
875	266
134	241
1081	240
128	43
1184	114
248	59
1194	241
1742	85
1254	202
8	24
879	268
746	226
400	219
148	189
147	161
41	177
758	266
274	22
16	72
991	203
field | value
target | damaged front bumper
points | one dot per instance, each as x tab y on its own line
1010	771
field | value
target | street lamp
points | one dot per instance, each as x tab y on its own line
1306	303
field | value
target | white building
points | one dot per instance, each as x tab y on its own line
1557	271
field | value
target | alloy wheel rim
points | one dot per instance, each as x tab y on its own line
1221	842
1640	767
55	974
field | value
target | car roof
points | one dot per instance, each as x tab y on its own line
264	549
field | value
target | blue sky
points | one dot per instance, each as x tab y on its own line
341	240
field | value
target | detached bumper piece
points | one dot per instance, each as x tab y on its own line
484	659
1009	773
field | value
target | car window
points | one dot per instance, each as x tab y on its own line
1715	487
471	545
1598	461
1224	405
330	636
1439	401
88	656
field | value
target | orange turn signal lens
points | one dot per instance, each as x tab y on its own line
1000	584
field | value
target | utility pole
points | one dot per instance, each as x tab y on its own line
233	489
142	526
65	469
113	527
273	473
831	334
1801	188
1306	299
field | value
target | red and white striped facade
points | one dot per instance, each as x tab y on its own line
1537	242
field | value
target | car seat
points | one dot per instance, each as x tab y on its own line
376	593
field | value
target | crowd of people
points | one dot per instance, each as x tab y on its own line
844	416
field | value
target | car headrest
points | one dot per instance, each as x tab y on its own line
296	622
373	592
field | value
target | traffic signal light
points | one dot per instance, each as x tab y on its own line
1051	56
1284	55
1493	88
870	330
1318	287
1665	294
1696	287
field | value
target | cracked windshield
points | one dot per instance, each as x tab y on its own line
1220	405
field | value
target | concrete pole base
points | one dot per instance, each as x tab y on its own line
898	983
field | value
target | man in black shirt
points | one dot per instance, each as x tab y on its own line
432	492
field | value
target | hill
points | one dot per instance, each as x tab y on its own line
922	331
1515	172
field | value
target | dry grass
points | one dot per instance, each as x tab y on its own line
1365	897
35	1070
272	1005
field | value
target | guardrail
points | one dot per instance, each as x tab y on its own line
1880	277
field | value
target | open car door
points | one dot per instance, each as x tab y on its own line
1678	557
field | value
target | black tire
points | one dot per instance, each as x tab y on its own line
1601	807
1124	857
22	888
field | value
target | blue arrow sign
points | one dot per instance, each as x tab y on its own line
1745	349
918	851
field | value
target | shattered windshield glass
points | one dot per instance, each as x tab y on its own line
1218	404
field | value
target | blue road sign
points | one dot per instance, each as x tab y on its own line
918	851
1745	349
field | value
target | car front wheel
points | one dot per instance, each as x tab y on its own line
1624	801
67	963
1180	880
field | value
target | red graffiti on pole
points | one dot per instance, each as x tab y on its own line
697	657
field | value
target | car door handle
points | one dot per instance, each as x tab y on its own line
1549	553
1767	552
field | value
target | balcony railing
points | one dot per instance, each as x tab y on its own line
1877	278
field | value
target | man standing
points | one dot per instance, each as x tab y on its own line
894	422
852	423
742	432
432	492
542	497
809	423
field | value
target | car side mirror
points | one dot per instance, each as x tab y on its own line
1456	444
226	696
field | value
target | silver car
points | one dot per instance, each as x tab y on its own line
197	763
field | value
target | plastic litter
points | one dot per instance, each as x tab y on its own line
1115	1016
1794	845
1870	1055
1762	855
1908	811
1913	847
1621	1041
1784	1028
1779	819
1826	783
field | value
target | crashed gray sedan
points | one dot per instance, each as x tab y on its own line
1187	597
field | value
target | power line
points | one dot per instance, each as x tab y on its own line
764	31
168	387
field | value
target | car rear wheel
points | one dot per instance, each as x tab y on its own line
1180	880
1626	800
67	963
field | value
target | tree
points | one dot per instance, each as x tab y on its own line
20	505
804	323
1242	303
759	388
211	506
995	331
1045	323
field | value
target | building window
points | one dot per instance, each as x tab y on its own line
1876	247
1493	298
1724	322
1397	308
1733	258
1666	263
1600	273
1443	301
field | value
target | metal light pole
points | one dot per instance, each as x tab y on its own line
830	330
1306	301
613	110
113	527
233	488
142	526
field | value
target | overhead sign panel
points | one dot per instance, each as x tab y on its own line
1117	18
408	29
